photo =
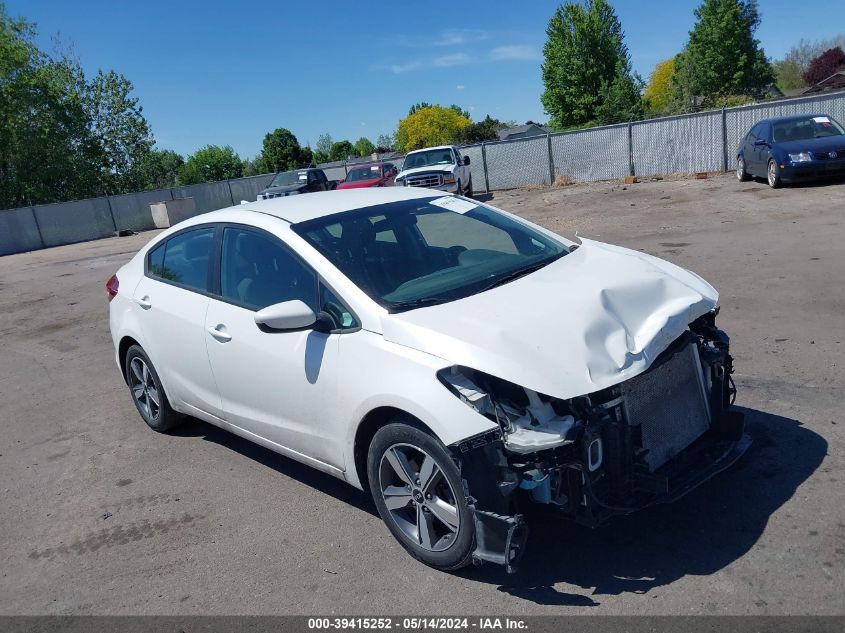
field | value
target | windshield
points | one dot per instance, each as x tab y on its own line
429	157
364	173
290	178
432	250
804	129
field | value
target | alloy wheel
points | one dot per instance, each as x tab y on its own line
144	388
740	168
773	176
419	497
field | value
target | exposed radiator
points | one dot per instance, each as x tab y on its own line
669	404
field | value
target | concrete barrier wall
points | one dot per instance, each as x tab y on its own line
208	196
132	210
248	188
69	222
18	231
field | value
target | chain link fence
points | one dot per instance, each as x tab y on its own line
705	141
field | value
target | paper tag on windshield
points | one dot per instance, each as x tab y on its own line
821	119
454	204
303	176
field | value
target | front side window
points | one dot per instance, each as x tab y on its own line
257	271
184	258
420	252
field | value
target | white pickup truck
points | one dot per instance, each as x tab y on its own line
440	167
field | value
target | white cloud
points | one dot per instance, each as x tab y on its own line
460	87
363	123
453	37
455	59
406	67
521	52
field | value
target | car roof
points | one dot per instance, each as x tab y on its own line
425	149
310	206
793	117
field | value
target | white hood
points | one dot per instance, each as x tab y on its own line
449	167
593	318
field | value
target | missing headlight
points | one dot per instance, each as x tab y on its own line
529	421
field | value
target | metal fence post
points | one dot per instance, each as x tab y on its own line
551	160
111	214
38	227
631	149
231	195
484	164
724	141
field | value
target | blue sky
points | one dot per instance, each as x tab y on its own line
223	73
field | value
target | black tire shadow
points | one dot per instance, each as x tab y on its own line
700	534
307	475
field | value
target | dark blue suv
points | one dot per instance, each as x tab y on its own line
792	148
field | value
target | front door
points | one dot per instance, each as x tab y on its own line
278	385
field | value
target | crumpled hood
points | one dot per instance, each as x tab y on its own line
587	321
431	168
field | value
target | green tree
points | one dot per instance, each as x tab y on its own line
281	151
253	166
306	157
461	111
485	130
584	51
341	150
157	169
364	147
418	106
620	100
658	97
722	57
209	164
323	148
433	125
385	143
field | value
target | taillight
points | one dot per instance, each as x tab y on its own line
111	287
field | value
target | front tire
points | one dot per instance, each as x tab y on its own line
741	174
147	392
773	175
418	492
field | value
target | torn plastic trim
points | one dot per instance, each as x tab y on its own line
499	539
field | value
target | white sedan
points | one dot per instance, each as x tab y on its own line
453	359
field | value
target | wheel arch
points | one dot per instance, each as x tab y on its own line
369	426
122	350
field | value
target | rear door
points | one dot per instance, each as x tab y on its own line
172	299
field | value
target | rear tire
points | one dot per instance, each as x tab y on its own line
147	392
741	174
428	513
468	192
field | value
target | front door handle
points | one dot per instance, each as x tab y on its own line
144	302
219	332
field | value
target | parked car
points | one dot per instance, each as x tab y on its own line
455	360
793	148
372	175
288	183
442	168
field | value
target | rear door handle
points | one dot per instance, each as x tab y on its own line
219	332
144	302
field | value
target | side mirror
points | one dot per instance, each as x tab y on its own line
466	160
760	141
288	315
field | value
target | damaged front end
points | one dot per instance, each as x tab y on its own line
649	439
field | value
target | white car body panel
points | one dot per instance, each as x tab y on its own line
592	319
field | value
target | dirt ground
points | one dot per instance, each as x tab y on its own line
101	515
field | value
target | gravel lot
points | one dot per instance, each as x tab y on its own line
101	515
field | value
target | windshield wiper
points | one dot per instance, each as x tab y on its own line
401	306
519	272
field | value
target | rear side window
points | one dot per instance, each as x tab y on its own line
184	259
